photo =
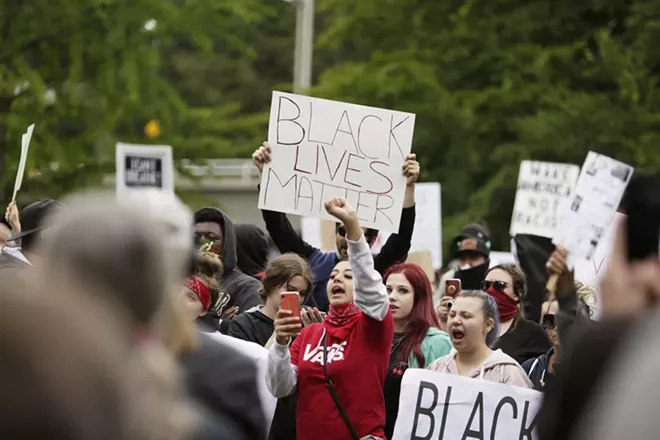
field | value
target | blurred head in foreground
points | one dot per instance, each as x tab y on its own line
66	377
131	252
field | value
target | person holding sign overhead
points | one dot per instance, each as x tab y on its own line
338	366
288	240
473	327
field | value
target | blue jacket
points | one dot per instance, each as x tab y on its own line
537	370
287	239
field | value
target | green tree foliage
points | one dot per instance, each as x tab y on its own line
228	85
492	83
495	82
103	67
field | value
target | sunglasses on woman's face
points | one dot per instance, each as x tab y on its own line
369	235
497	285
549	322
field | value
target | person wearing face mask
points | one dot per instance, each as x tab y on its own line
338	366
518	337
418	341
473	326
471	250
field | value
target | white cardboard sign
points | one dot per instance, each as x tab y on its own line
427	235
592	206
440	406
323	149
143	166
543	188
25	146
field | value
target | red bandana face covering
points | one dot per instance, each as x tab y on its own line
200	289
341	320
507	307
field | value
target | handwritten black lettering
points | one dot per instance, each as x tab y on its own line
359	137
381	209
393	136
361	194
309	127
348	168
292	120
272	173
344	116
309	196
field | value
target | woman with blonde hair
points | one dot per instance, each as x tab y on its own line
473	326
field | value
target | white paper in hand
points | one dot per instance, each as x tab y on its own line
25	145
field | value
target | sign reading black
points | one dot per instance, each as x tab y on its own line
143	171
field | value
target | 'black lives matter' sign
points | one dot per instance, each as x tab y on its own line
143	171
441	406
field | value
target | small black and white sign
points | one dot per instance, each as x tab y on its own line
144	166
440	406
543	188
143	171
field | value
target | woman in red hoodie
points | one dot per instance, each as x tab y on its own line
346	355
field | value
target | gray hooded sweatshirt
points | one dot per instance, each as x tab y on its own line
499	367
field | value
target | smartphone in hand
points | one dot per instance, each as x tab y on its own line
291	301
642	205
452	287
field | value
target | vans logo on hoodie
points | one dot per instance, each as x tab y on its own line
335	353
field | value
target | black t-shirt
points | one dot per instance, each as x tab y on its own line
392	387
524	340
252	326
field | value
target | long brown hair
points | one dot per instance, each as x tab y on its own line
281	270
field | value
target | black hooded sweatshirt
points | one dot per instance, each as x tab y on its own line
251	249
241	289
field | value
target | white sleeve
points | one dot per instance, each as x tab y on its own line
369	292
281	375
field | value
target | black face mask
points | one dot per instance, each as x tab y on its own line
471	278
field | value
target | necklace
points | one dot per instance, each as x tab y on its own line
396	342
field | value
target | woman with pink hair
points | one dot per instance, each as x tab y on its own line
418	340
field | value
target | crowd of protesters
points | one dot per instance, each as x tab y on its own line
138	319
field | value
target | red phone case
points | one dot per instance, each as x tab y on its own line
454	282
291	301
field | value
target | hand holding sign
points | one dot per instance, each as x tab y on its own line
411	169
261	157
11	215
557	266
